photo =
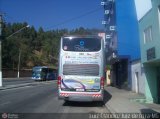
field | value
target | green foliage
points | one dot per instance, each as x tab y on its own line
35	47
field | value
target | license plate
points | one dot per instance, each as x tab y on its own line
79	89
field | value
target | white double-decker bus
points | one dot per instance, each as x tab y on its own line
81	68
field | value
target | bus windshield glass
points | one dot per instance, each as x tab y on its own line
81	44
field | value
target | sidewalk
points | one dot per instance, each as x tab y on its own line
122	101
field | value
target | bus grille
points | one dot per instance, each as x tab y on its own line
81	69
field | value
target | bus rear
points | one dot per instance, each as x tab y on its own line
38	72
81	69
44	73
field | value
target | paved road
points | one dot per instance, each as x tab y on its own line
42	98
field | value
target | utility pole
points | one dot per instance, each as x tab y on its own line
19	60
0	50
19	56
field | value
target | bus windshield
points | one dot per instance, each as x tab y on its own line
81	44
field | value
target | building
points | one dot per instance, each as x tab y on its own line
138	77
122	39
149	28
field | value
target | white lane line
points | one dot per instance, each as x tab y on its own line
50	82
5	103
27	85
15	88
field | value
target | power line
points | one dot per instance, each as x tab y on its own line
65	21
74	18
6	16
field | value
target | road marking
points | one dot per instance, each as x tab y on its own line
27	85
15	88
45	82
5	103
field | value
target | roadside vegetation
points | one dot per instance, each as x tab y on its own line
35	47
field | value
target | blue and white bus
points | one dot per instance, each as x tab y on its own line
81	68
43	73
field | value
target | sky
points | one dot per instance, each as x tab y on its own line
54	14
141	9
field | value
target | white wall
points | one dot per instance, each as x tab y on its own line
142	7
136	67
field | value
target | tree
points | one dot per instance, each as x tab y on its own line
37	47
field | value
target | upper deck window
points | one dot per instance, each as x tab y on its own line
81	44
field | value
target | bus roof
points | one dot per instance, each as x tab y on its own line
40	67
45	67
81	36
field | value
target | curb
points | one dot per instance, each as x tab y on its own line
15	78
19	85
14	86
110	108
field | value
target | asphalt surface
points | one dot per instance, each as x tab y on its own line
39	100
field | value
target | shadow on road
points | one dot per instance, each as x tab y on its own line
107	97
83	104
